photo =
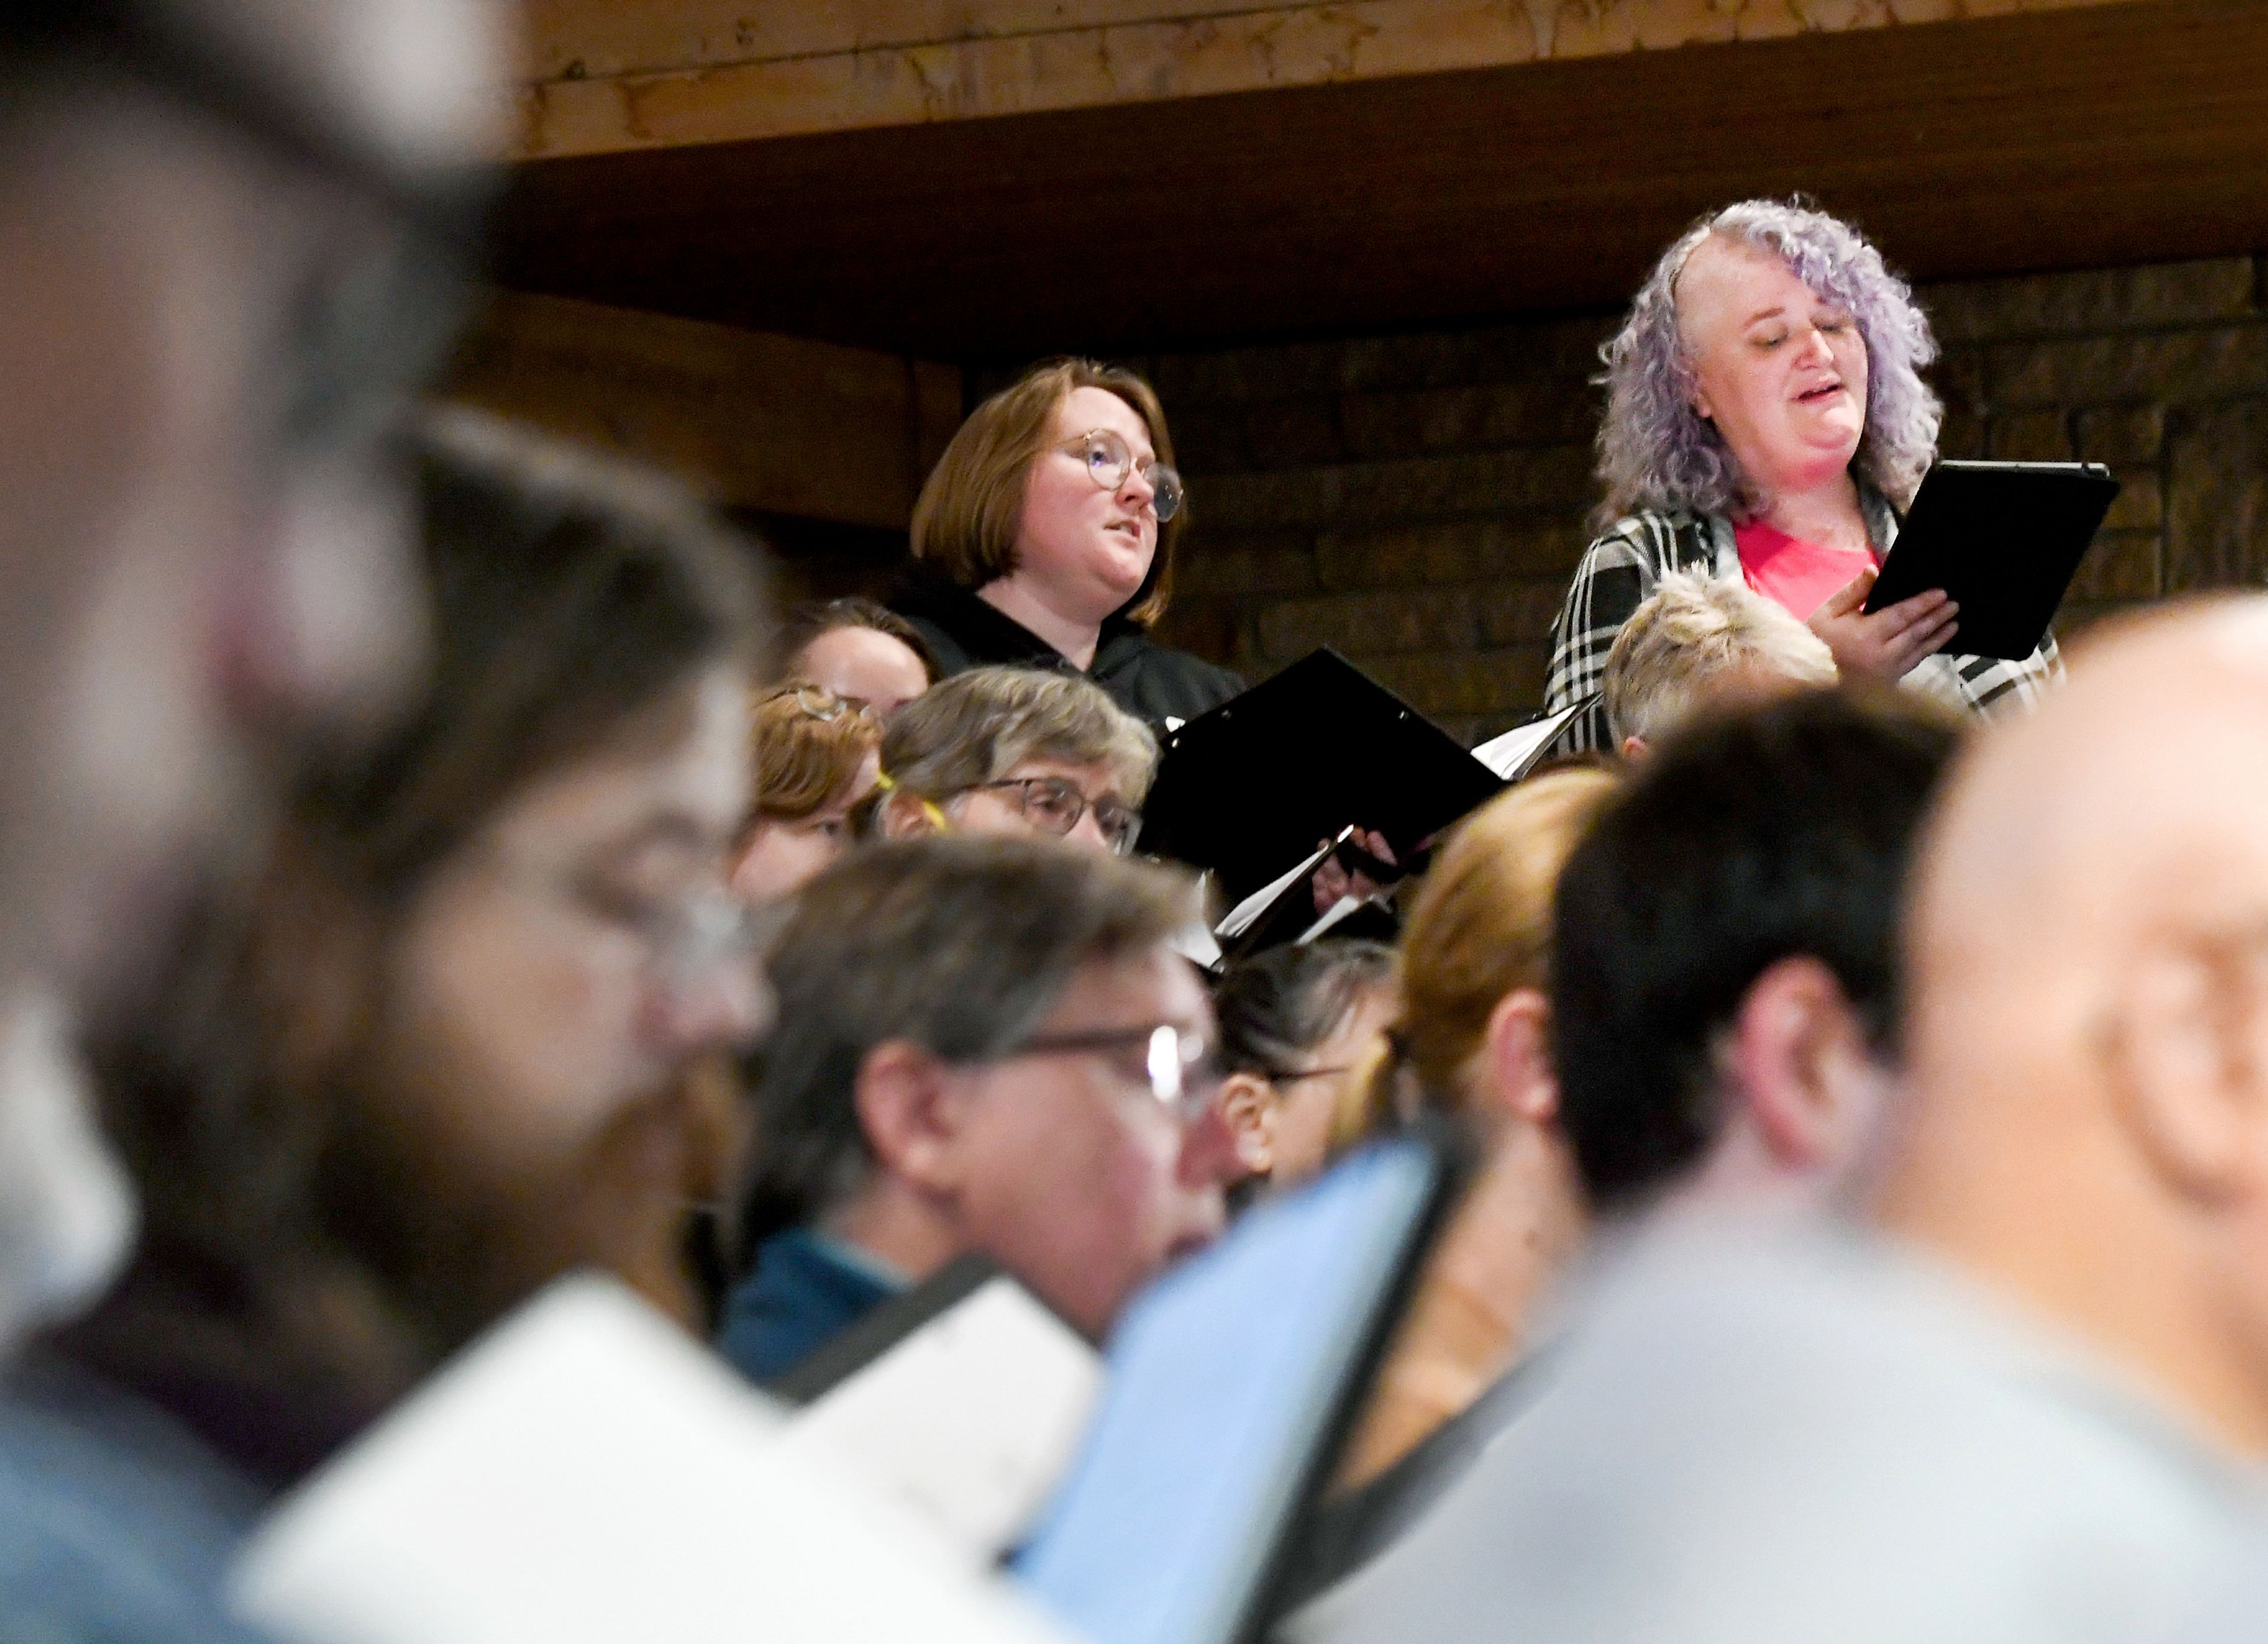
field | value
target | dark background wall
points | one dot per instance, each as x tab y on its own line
1418	500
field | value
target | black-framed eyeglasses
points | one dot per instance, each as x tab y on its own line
1178	1065
1056	804
1110	460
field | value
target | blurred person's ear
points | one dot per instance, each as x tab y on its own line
1800	1066
1249	1106
1633	748
1516	1058
906	816
2186	1050
912	1114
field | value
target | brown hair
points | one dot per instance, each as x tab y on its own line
954	943
979	726
574	602
1480	929
971	509
809	745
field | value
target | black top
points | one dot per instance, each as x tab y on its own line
1146	678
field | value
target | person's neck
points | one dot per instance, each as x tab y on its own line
898	1228
1021	601
2130	1277
1824	510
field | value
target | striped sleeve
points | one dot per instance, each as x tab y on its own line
1991	686
1613	580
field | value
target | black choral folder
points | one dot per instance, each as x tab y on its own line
1251	787
2004	540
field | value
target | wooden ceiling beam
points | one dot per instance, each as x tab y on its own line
775	425
607	76
2073	138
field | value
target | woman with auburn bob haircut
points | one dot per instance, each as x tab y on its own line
1767	421
1045	535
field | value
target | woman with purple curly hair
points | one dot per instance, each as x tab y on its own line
1766	419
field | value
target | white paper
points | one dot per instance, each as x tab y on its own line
1241	917
1332	916
588	1475
1509	753
970	1422
1197	944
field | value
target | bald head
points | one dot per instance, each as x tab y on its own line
2133	802
2087	1027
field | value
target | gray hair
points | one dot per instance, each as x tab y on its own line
957	943
1656	452
1689	630
977	727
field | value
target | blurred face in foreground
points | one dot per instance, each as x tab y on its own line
205	548
551	986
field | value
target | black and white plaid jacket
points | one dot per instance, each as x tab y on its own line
1619	570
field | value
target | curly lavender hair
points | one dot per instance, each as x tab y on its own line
1657	453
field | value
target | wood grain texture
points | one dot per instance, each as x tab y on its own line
2118	134
604	76
766	423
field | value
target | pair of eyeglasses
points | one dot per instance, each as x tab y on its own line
688	940
1178	1065
1056	805
1110	460
819	702
1281	1076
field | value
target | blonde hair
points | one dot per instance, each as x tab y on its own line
1690	630
971	509
977	727
809	745
1481	928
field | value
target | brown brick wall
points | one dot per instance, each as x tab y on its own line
1418	501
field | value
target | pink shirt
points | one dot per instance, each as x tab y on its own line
1799	576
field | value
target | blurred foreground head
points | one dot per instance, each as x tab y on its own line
1724	947
228	235
2088	1026
437	1054
986	1044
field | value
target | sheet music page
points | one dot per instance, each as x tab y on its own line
1239	918
587	1474
970	1422
1334	915
1505	755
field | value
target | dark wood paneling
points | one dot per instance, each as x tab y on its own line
2065	139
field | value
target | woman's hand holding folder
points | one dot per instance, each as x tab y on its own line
1888	644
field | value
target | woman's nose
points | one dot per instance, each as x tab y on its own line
1138	487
